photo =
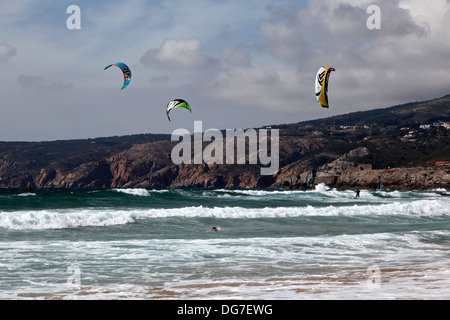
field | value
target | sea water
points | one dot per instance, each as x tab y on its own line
271	244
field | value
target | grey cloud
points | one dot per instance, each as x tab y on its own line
349	21
227	33
283	12
29	81
181	53
287	32
160	79
283	40
236	57
397	21
58	86
382	65
7	51
294	33
37	82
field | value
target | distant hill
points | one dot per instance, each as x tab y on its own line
395	136
409	114
408	135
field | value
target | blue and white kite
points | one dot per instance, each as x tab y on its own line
126	72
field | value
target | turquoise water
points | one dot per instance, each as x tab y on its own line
271	244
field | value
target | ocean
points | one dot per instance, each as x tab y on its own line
270	244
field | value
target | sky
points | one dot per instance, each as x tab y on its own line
239	63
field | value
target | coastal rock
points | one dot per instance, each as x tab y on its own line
419	178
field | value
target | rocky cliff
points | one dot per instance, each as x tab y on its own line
149	165
418	178
358	150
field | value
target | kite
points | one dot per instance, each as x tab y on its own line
175	104
322	78
126	72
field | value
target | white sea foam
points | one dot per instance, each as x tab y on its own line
326	192
26	194
73	218
134	192
295	268
63	219
251	192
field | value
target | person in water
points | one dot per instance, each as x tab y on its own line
357	193
214	229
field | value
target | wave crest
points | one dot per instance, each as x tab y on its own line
73	218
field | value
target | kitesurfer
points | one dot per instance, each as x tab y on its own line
357	193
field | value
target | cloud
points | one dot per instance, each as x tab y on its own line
7	51
374	68
37	82
160	79
256	87
294	32
236	57
181	53
29	81
284	41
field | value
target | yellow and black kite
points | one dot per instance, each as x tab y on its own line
322	78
